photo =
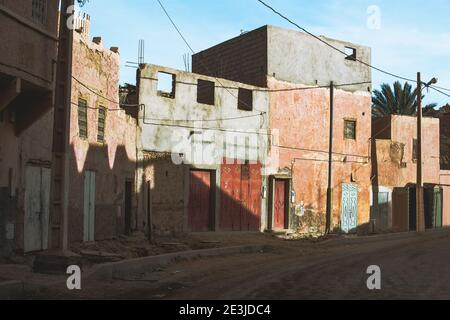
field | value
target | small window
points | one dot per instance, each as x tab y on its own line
82	118
166	85
39	11
245	99
205	92
350	129
350	53
415	150
101	124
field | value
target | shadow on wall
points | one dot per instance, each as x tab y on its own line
186	199
103	197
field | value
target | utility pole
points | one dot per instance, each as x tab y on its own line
330	164
420	217
58	233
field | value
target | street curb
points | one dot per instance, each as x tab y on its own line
11	290
114	270
431	234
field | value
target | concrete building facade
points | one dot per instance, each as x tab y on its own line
394	171
27	67
204	150
297	71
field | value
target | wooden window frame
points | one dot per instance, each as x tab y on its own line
79	111
355	129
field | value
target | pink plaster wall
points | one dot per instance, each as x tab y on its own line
114	161
404	130
445	182
302	121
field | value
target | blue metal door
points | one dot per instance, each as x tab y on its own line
349	214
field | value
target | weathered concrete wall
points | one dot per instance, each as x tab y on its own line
301	120
31	147
223	127
167	188
445	182
299	58
393	162
287	55
28	52
114	160
204	134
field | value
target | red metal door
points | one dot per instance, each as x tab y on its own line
240	197
279	208
230	208
255	182
199	209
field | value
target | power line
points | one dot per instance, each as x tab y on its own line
193	52
341	51
271	90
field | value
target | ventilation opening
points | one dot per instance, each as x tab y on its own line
166	85
350	53
245	99
205	92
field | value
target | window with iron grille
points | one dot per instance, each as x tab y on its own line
101	124
350	129
82	118
39	11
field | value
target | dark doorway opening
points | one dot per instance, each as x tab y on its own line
128	205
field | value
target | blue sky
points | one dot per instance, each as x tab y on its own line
414	35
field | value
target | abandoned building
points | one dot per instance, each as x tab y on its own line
203	150
394	173
297	71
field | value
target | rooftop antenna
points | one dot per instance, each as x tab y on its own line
187	62
141	52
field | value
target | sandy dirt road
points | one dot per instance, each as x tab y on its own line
412	267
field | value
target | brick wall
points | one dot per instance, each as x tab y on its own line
242	59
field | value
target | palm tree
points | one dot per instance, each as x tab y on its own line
400	100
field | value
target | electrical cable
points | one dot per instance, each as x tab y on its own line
343	52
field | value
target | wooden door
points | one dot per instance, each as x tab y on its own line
199	207
279	207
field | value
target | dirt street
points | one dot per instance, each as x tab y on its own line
412	267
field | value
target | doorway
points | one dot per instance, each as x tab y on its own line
37	204
279	218
128	205
201	203
349	213
89	206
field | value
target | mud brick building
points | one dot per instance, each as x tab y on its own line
102	197
27	75
394	173
102	201
203	150
284	62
